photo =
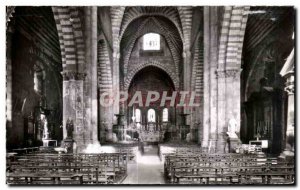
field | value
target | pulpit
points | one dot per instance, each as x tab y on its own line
119	128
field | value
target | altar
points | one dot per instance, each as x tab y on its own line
150	136
150	132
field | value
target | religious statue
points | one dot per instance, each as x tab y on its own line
189	137
45	126
232	141
232	128
70	128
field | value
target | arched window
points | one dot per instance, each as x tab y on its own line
151	115
137	115
165	116
151	41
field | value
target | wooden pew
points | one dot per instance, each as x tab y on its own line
94	168
44	178
229	168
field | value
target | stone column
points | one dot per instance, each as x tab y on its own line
94	78
73	107
210	82
105	113
221	110
228	103
187	70
91	69
187	73
105	119
116	80
290	130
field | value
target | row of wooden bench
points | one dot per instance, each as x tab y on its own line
176	148
101	168
226	169
130	149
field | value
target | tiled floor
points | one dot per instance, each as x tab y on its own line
147	170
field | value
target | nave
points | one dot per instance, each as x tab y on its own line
148	168
102	95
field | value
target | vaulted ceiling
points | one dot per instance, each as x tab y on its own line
38	25
261	21
156	24
132	13
172	23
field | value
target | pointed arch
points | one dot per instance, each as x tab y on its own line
131	75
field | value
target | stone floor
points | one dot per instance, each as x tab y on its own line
147	170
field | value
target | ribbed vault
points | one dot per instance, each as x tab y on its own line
116	16
186	14
43	30
132	13
130	75
145	25
261	21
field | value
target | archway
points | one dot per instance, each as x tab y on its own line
151	127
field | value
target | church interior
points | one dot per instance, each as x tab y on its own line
69	67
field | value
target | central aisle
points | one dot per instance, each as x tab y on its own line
147	170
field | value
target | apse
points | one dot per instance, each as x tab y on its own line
153	118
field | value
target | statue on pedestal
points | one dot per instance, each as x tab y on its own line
70	128
232	140
42	114
45	126
232	126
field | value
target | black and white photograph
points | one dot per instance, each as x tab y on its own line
171	95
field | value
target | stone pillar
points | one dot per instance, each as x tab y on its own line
116	80
94	78
221	110
290	129
105	119
210	82
91	69
73	107
228	103
187	73
187	70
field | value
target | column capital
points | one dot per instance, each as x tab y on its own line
289	85
116	55
290	89
228	73
73	75
186	53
